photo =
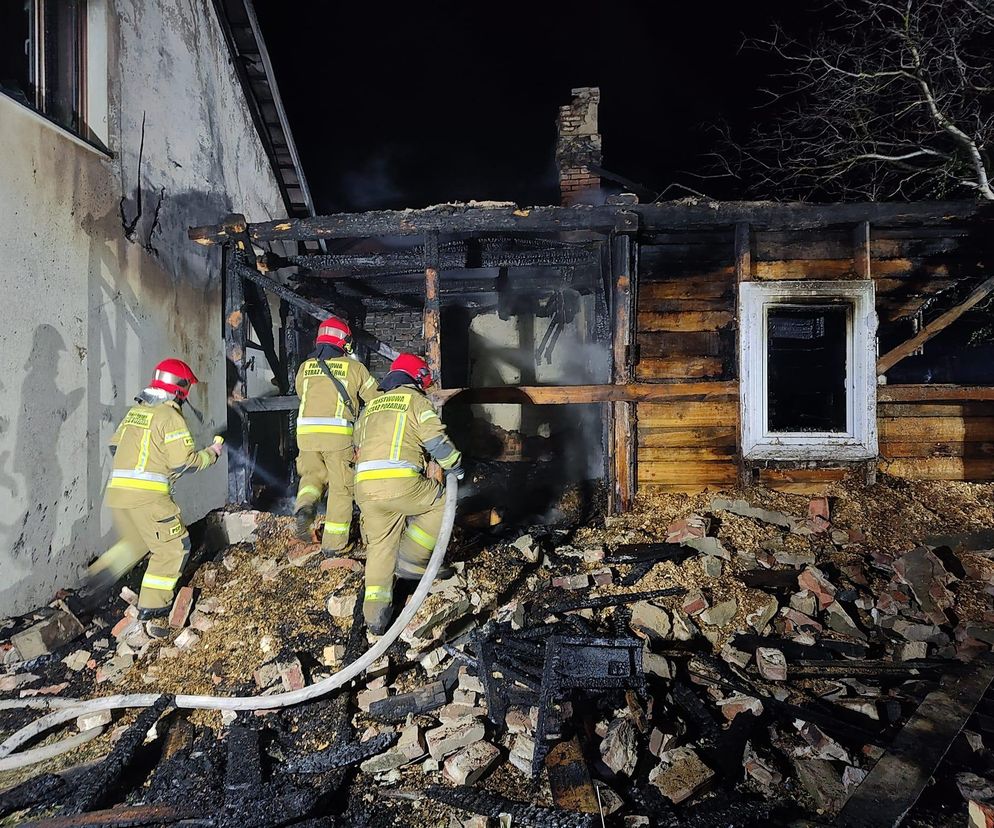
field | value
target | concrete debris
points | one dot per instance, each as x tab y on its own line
744	509
712	567
368	696
76	660
89	721
841	622
619	748
114	669
771	664
453	736
332	655
186	640
469	765
527	549
710	546
341	605
760	618
720	615
681	775
240	527
804	602
55	631
200	621
412	743
928	579
651	619
912	650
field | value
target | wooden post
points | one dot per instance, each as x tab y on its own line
743	252
624	449
235	335
432	317
861	250
743	273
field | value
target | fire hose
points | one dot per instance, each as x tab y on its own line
67	710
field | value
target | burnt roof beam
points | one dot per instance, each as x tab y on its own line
447	218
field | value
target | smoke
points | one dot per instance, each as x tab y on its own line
371	186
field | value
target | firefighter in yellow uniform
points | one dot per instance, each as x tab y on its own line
152	447
330	385
401	508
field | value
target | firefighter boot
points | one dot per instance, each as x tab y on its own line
304	521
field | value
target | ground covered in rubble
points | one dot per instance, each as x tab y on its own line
739	658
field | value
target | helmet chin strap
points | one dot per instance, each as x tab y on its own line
193	408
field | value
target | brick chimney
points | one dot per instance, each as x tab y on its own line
578	147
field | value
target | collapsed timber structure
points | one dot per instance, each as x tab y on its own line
753	342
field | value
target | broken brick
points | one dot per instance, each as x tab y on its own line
694	602
454	736
292	675
182	606
684	529
366	697
201	622
738	704
340	563
89	721
470	764
341	605
332	655
12	682
186	640
123	626
771	664
651	619
924	573
682	777
814	581
572	582
818	514
619	748
720	614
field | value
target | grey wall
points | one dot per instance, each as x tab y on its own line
89	311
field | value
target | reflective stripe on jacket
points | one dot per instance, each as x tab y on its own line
152	447
323	419
395	432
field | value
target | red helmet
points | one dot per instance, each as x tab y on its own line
175	376
335	331
415	367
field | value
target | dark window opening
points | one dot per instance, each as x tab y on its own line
42	49
806	368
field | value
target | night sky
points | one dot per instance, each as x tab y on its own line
443	101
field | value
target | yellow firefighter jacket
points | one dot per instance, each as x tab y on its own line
324	421
152	447
395	432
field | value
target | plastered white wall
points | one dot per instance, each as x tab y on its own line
87	311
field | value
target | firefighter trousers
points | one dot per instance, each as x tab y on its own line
152	527
400	520
331	469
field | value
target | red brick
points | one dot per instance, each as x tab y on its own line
181	608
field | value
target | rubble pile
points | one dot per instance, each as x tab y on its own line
751	658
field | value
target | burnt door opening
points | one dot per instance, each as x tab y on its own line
806	355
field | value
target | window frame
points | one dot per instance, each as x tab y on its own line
90	101
859	441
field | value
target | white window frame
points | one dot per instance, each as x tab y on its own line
859	440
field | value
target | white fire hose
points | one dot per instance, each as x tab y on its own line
69	709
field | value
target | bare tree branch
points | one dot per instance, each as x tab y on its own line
893	100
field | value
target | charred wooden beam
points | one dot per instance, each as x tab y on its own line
624	455
743	252
940	323
549	395
861	250
121	817
235	336
246	271
934	393
523	813
764	215
432	311
447	218
893	786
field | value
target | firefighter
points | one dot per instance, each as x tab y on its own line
401	508
152	447
330	384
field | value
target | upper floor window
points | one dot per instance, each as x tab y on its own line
43	58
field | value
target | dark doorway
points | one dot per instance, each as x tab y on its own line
806	368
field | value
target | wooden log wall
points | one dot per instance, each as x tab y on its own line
686	330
